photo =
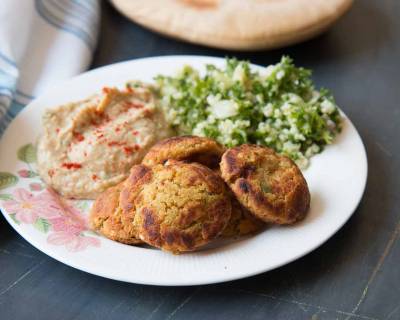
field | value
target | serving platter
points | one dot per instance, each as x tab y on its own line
58	227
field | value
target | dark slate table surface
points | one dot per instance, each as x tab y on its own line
355	275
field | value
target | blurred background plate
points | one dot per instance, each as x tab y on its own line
236	24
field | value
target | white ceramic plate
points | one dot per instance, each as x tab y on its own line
57	227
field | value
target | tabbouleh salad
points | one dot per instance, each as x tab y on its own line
278	107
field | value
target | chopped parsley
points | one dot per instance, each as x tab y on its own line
278	107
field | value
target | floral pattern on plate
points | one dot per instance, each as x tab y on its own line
32	203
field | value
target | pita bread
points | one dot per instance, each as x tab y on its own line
236	24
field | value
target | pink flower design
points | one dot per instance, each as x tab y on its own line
73	242
69	226
23	173
67	223
35	186
67	208
28	208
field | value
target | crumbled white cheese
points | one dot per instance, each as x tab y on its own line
327	106
280	74
239	74
268	110
222	109
267	72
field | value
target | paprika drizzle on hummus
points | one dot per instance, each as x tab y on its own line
90	145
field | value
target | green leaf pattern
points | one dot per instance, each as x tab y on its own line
7	180
32	174
42	225
27	153
14	218
6	197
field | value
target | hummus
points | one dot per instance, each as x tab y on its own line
90	145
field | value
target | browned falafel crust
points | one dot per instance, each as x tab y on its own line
269	185
177	206
242	222
107	217
186	148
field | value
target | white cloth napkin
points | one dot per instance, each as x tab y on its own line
42	42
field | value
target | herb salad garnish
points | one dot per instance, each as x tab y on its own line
278	107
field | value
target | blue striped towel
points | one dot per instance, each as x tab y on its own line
42	42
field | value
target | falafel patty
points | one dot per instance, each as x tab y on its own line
242	222
269	185
107	217
186	148
177	206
